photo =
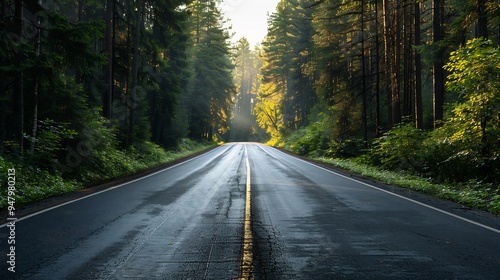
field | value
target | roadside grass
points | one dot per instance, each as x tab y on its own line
34	183
472	194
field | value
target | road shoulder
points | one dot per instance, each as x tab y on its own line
79	194
476	215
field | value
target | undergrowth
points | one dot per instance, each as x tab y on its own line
35	183
472	194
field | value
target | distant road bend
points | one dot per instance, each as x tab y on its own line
249	211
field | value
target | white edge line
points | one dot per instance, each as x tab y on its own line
394	194
100	192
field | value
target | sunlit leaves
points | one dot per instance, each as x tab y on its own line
474	75
288	71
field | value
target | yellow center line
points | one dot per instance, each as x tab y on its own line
246	266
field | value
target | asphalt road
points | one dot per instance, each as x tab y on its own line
206	219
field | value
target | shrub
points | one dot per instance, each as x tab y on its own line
474	71
32	183
48	144
307	141
349	148
456	159
401	148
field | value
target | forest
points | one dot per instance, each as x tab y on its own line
92	90
406	85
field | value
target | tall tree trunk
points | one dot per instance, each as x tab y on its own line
363	70
377	73
392	38
79	14
396	63
419	115
135	68
18	133
3	109
438	71
408	58
482	19
198	23
3	92
80	10
3	9
125	95
210	134
388	47
108	94
35	93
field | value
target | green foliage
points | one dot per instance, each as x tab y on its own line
68	76
312	97
401	148
269	117
32	183
430	154
306	141
105	163
449	160
118	163
148	152
321	139
314	142
474	194
165	81
349	83
48	143
211	88
244	125
70	44
348	148
287	73
474	75
466	145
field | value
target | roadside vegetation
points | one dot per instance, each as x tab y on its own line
93	91
404	158
90	92
406	92
422	161
473	194
34	183
458	160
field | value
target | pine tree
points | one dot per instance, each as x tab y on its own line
211	88
243	124
288	66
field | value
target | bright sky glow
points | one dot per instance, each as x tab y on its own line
249	18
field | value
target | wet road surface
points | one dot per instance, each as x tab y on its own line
306	222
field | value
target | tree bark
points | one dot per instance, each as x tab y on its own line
108	94
396	72
438	71
363	69
482	19
3	92
419	115
407	59
18	133
135	68
387	56
3	9
35	93
377	74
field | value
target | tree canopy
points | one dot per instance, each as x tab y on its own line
80	79
349	78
